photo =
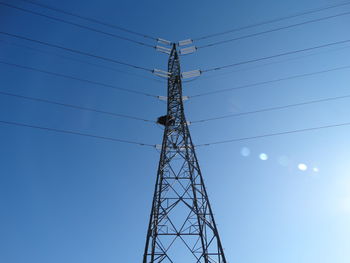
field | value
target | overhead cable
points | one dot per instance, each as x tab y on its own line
96	21
273	20
74	106
20	124
79	60
271	109
276	62
76	24
277	55
75	51
275	134
272	30
269	82
78	79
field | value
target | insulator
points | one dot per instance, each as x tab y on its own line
162	98
163	49
191	74
164	41
188	50
184	98
161	73
185	42
158	146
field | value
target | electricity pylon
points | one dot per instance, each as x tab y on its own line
182	228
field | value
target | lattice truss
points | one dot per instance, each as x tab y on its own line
182	227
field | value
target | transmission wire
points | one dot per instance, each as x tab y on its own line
20	124
275	134
74	106
79	60
272	21
277	55
272	30
276	62
75	51
268	82
152	145
272	109
78	79
75	24
88	19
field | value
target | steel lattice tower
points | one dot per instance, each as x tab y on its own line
182	228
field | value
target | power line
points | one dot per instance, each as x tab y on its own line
75	51
75	106
273	20
273	30
269	82
19	124
89	19
79	60
75	24
275	134
275	62
78	79
277	55
272	109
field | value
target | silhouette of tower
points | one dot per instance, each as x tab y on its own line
182	228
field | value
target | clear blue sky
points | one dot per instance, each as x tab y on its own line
67	198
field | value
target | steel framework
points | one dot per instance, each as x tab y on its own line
182	228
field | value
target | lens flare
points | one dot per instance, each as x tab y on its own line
263	156
302	167
245	151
